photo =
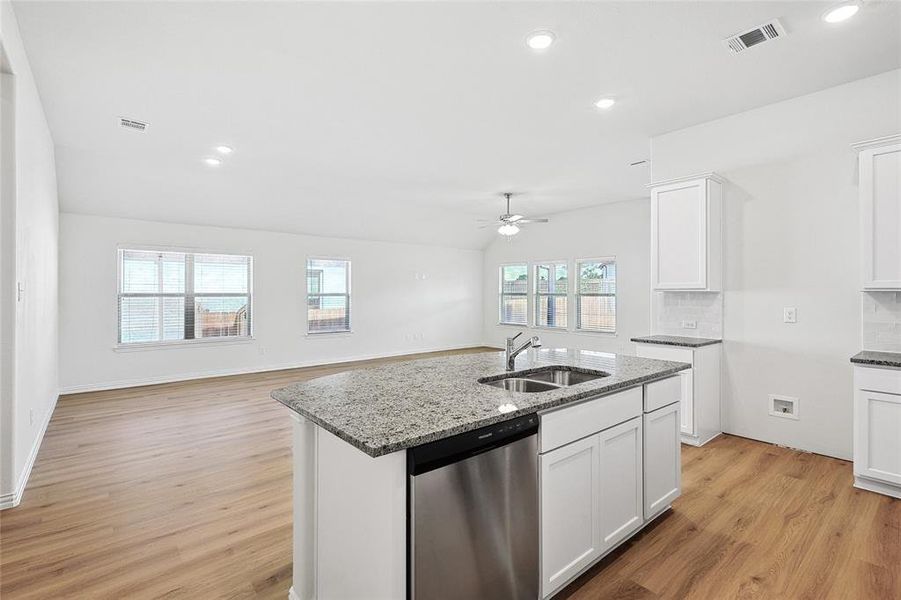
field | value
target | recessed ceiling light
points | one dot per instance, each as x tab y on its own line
842	12
540	40
605	103
212	161
224	149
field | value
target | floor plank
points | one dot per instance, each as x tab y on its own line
184	491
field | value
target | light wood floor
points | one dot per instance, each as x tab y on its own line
184	491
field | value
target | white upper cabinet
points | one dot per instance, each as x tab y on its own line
880	212
686	233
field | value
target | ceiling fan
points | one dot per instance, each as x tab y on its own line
509	223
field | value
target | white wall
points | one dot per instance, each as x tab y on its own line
620	229
405	298
791	240
31	394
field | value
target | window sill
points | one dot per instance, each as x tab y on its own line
599	333
518	325
221	341
328	334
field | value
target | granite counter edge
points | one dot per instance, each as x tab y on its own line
381	450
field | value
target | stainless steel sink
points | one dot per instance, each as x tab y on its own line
543	380
564	377
521	384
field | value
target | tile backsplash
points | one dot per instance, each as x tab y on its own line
671	309
881	321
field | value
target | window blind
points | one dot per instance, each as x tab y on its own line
169	296
551	291
514	290
328	295
596	295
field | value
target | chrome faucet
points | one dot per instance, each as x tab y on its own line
512	353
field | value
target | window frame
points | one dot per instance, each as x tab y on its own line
536	295
348	294
577	289
501	294
189	296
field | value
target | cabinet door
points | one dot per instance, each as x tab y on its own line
620	482
687	408
570	530
679	236
877	436
880	205
662	459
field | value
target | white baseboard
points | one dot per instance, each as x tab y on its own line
12	499
879	487
129	383
292	595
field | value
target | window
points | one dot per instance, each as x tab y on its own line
596	295
514	292
328	295
551	291
170	296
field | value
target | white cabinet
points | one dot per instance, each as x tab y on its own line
620	482
591	499
570	509
880	212
700	403
662	459
686	234
877	430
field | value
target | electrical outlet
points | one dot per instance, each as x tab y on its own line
689	324
785	407
790	314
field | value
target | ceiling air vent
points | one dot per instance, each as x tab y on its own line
132	124
752	37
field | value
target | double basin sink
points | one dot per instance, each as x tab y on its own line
543	379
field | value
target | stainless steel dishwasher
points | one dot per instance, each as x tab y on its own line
473	514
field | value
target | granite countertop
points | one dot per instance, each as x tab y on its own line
877	359
677	340
400	405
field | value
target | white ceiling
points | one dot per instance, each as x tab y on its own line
403	121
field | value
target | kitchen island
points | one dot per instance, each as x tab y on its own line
354	429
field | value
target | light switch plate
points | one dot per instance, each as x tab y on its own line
790	314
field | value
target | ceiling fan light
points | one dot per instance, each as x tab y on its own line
508	229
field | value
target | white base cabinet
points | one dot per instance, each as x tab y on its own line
591	499
621	482
877	430
570	508
662	459
597	464
700	411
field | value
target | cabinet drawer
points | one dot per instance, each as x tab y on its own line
887	381
665	353
569	423
661	393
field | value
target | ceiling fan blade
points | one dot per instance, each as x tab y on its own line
513	218
523	221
